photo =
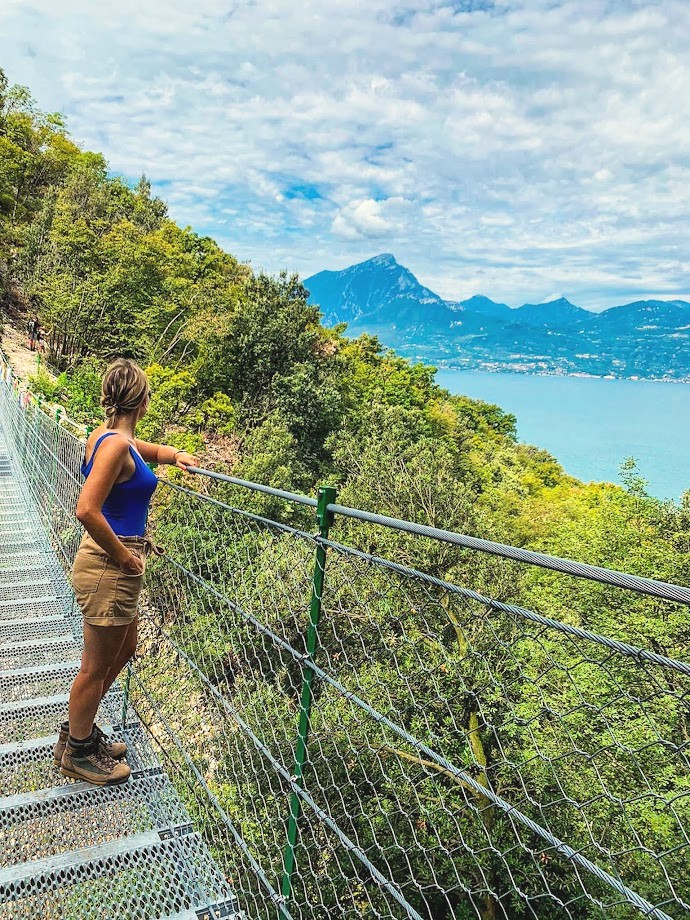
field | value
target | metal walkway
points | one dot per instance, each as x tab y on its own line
70	850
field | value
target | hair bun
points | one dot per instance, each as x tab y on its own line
124	388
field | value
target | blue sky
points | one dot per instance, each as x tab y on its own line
522	149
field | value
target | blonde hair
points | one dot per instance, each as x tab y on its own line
124	388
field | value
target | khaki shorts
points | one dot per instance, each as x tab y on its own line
106	595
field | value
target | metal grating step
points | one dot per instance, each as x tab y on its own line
42	651
16	579
37	608
13	557
11	520
20	531
27	766
26	590
25	719
19	583
45	680
54	626
15	560
38	825
16	541
136	878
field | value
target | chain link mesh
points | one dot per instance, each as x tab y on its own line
468	757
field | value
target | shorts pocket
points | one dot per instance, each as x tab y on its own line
126	594
88	571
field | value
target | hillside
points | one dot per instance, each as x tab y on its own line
379	296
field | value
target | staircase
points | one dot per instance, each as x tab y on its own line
70	850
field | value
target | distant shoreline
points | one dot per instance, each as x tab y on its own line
530	373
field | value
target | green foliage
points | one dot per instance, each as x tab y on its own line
170	399
42	384
215	415
82	389
271	457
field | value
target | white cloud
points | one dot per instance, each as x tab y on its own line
372	219
527	147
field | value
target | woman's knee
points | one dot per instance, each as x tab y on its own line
92	672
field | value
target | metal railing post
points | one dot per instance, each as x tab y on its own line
326	496
126	685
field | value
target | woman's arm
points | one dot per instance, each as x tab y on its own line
107	467
164	453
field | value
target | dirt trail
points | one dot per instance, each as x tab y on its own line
24	361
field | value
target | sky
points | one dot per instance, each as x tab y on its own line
522	149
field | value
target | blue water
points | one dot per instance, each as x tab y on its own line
591	425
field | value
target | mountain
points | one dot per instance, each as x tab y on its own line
380	296
559	313
648	314
379	289
485	307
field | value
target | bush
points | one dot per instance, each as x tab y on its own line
42	384
83	391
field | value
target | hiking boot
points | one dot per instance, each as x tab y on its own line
114	749
91	763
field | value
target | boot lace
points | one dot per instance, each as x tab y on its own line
103	759
101	738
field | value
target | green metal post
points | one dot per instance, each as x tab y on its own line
125	694
324	518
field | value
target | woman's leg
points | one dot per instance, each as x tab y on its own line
127	651
102	646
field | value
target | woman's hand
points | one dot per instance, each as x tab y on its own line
183	460
132	564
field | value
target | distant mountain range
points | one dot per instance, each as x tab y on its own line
648	338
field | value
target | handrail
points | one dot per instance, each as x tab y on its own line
256	487
641	585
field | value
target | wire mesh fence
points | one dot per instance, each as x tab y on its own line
367	737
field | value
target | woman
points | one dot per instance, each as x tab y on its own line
109	566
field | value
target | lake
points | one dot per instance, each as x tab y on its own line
591	425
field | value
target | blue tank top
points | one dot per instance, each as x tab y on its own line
126	506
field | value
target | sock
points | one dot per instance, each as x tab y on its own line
80	743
